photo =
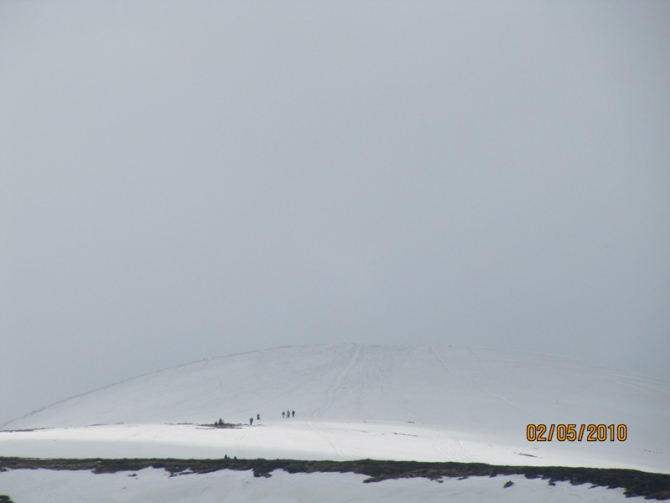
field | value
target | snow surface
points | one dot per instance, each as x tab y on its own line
156	486
322	440
352	402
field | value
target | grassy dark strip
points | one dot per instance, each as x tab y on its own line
634	482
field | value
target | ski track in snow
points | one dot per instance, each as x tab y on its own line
446	455
325	435
464	451
482	368
474	386
338	383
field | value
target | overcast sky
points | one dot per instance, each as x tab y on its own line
183	180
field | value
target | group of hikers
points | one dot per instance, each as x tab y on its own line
285	415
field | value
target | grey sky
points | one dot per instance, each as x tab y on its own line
191	179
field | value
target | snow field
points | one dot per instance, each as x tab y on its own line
352	402
156	486
319	440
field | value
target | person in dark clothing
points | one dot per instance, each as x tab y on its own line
288	413
292	413
258	417
251	421
283	414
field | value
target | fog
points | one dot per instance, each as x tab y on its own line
185	180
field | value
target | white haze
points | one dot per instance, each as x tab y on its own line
181	180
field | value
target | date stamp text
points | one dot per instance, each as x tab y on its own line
573	433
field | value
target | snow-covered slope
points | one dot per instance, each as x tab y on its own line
475	388
362	401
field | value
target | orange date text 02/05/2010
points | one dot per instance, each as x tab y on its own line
573	433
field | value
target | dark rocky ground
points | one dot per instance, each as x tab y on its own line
635	483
